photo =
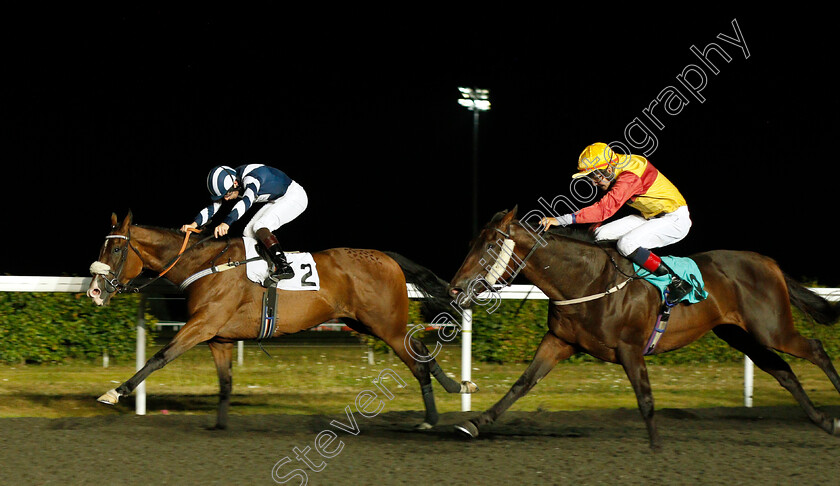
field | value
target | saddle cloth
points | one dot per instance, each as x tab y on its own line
306	273
686	269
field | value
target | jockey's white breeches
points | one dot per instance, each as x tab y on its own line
275	214
632	232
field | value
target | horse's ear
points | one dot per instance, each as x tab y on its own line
114	220
509	217
127	221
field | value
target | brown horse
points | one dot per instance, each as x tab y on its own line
748	307
364	288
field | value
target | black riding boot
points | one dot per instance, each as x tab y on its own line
281	270
677	289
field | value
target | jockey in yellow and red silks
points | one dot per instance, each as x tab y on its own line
632	179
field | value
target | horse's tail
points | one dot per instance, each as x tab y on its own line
813	305
434	289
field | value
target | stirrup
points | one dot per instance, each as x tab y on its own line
678	288
281	275
280	271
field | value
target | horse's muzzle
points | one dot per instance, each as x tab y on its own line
100	297
460	297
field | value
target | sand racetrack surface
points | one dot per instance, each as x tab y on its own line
763	445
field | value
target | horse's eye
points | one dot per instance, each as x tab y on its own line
117	249
490	246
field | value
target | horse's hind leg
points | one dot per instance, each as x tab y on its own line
770	362
421	370
427	364
551	351
222	355
448	384
812	350
633	361
421	353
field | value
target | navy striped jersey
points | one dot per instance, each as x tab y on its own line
259	183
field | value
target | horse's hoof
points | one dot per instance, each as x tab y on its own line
836	430
111	397
467	429
423	426
468	387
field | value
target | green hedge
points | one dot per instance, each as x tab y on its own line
513	331
48	327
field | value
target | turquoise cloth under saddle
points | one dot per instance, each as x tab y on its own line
686	269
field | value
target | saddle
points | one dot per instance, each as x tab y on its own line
306	272
686	269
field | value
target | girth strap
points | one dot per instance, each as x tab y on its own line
592	297
658	329
214	269
268	323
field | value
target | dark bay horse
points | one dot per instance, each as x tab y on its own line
748	307
364	288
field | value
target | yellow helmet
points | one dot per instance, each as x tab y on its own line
596	156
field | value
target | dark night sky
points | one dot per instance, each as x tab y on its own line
109	110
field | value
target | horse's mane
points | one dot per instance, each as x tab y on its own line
578	233
160	228
176	232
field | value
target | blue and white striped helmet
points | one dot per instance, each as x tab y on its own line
220	181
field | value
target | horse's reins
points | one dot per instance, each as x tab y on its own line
181	252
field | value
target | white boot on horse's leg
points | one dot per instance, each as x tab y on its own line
111	397
468	387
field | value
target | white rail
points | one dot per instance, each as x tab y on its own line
515	292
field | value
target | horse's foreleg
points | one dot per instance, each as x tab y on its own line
222	355
156	362
771	363
633	361
191	334
551	351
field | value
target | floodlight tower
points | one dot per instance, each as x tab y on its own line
475	100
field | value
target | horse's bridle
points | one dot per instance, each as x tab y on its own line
531	252
103	269
494	274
